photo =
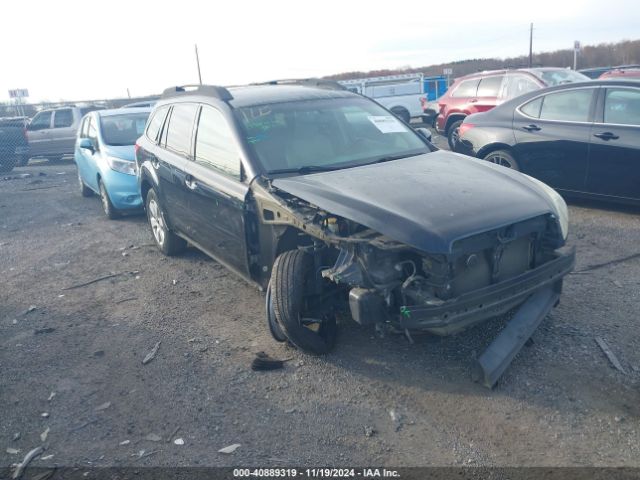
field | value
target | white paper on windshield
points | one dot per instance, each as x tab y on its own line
387	123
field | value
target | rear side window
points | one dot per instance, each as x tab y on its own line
622	106
63	118
155	122
569	106
215	145
181	128
91	129
490	86
467	88
532	108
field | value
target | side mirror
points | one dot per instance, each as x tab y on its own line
424	133
88	144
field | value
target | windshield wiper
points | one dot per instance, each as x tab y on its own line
390	158
305	169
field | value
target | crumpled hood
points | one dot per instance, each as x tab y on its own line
428	201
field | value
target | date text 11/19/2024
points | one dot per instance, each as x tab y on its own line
315	473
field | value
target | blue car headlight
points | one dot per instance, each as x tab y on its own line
122	166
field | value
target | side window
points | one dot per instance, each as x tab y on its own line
622	106
517	85
215	145
181	128
467	88
84	128
532	108
490	86
63	118
91	130
155	123
569	106
41	121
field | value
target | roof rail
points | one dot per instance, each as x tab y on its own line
215	91
306	82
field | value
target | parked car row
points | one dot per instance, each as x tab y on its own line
480	92
581	139
333	206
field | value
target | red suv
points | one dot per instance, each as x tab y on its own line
479	92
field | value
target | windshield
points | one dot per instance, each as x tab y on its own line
326	134
121	130
557	77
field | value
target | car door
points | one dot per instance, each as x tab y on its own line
82	156
176	141
63	133
38	133
216	193
552	135
614	155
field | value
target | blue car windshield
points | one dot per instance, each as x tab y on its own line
121	130
326	134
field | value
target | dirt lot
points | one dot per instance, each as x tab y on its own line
73	367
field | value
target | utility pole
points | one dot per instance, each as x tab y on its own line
576	50
531	45
198	63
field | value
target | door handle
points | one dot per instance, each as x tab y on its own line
190	182
606	136
532	128
473	100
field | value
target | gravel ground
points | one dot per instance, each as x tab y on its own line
72	367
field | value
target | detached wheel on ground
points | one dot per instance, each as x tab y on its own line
109	210
453	134
504	158
167	241
291	280
84	190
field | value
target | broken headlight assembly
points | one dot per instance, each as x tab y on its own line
559	206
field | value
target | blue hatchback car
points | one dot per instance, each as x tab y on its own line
105	157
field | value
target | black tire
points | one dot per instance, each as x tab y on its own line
452	134
7	164
109	210
168	242
290	276
84	190
402	114
503	158
274	327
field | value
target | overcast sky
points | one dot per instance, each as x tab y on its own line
73	50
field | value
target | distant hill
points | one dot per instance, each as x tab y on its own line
602	55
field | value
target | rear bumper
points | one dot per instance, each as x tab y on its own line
466	310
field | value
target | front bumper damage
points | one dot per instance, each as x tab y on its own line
536	291
446	318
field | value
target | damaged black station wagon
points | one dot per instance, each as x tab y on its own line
333	206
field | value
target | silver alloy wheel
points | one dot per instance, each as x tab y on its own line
156	221
499	159
455	136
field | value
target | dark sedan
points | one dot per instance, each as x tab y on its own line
580	138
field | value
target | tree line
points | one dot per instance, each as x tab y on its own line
602	55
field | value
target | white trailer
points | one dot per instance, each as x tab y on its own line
399	93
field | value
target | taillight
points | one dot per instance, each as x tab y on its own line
423	101
136	147
464	128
